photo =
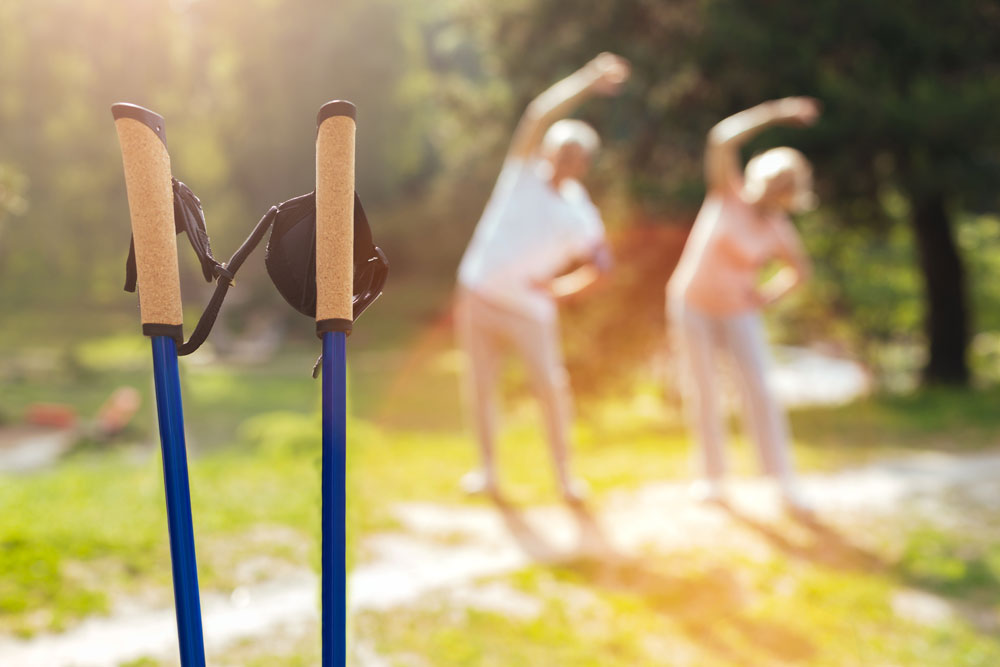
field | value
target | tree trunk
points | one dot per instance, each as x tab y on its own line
946	321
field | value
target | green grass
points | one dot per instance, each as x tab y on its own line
80	535
936	418
695	608
77	536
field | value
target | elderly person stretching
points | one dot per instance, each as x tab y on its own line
715	297
539	239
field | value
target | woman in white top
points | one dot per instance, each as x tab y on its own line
538	221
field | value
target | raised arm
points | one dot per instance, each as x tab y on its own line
723	168
604	75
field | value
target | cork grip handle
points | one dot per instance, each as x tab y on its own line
335	216
151	205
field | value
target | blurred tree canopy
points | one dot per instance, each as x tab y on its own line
239	84
911	92
12	186
908	141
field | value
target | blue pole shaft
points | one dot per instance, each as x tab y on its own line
334	499
175	481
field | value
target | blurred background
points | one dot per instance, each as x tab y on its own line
890	356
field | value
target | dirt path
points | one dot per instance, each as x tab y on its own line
451	549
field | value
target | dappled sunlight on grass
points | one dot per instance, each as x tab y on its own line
831	603
92	529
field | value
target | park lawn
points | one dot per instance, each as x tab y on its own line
91	529
698	607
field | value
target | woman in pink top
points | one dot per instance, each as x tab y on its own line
715	295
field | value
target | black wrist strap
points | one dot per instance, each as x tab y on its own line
189	218
226	276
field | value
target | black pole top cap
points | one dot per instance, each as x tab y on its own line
150	119
336	108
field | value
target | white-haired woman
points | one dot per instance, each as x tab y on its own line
538	222
715	296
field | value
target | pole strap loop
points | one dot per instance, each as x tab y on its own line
370	266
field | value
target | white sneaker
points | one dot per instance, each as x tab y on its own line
793	500
575	491
708	491
478	483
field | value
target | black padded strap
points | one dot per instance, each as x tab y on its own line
130	270
371	268
189	218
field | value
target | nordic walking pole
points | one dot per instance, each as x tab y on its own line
334	317
151	205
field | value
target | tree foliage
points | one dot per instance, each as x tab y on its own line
910	91
239	84
908	136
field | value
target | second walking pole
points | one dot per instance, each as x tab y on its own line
334	317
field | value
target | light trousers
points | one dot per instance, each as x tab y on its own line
699	338
484	329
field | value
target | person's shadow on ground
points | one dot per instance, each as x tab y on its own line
827	546
823	544
591	540
708	605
